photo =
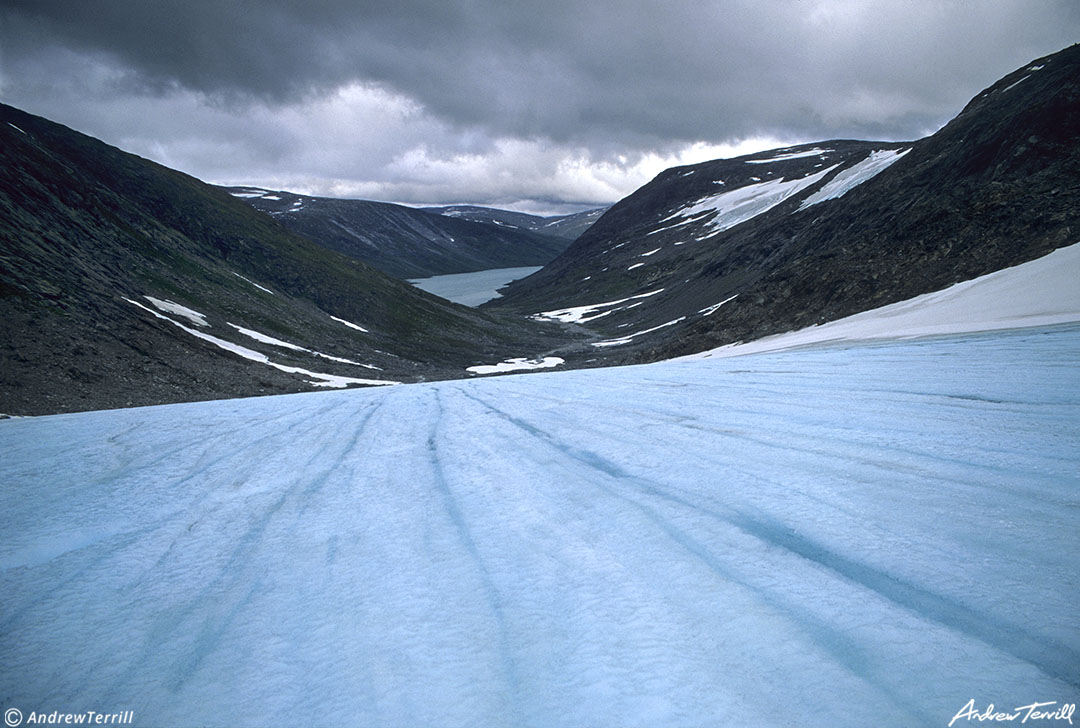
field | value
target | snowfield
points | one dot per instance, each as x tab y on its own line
865	534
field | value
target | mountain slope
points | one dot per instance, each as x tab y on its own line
568	227
402	241
733	250
125	283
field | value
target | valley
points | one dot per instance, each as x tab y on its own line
706	255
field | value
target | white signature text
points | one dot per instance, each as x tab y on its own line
1034	711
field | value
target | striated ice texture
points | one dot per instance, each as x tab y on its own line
867	534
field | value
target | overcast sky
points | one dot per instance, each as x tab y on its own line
539	106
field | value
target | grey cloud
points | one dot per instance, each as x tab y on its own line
626	72
532	105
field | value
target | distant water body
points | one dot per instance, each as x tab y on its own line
472	289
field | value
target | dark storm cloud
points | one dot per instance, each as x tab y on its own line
538	106
623	72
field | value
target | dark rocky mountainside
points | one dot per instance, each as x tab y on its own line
125	283
736	249
569	227
404	242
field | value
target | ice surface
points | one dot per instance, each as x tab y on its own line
175	308
872	534
635	265
854	176
518	364
17	128
739	205
1041	292
472	289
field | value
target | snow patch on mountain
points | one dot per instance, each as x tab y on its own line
695	218
710	310
1015	83
266	339
790	155
584	314
516	365
175	308
744	203
350	324
317	379
261	288
1042	292
854	176
630	337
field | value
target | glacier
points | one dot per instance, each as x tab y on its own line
862	533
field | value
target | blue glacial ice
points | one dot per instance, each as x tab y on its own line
851	535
